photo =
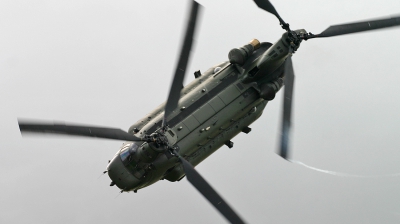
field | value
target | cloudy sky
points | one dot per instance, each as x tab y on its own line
109	63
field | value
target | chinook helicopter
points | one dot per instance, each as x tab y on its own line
206	114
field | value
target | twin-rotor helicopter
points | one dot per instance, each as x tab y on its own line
206	114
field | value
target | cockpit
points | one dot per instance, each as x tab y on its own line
127	151
128	155
123	169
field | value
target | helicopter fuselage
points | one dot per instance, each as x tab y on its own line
215	107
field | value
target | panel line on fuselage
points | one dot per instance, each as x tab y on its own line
225	82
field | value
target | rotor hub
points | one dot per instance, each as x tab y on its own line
294	38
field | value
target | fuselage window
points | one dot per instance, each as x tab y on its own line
124	153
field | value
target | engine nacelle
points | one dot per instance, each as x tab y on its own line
269	90
240	55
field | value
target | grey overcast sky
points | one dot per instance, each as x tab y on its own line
109	63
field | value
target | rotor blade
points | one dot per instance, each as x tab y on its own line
336	30
267	6
177	83
208	192
88	131
287	107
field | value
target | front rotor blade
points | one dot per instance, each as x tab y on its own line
88	131
287	107
208	192
177	83
267	6
358	27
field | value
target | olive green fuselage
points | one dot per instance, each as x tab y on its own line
215	107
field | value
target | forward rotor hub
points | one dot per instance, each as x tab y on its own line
162	138
158	138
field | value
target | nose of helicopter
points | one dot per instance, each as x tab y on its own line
121	176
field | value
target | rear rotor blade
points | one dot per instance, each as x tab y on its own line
287	108
208	192
87	131
336	30
179	75
267	6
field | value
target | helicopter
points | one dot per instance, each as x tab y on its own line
206	114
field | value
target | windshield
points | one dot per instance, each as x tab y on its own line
127	150
129	159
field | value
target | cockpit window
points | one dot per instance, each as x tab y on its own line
127	155
124	154
127	150
126	146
